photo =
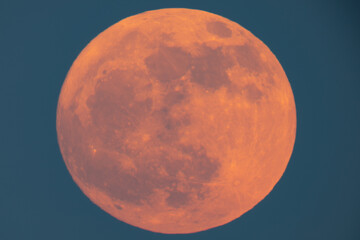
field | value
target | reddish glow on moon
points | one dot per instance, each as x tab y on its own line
176	120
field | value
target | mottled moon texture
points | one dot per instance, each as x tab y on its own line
176	120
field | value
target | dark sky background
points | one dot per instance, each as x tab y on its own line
317	43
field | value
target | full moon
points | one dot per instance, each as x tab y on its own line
176	120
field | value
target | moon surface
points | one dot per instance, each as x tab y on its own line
176	120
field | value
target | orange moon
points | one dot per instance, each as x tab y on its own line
176	120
